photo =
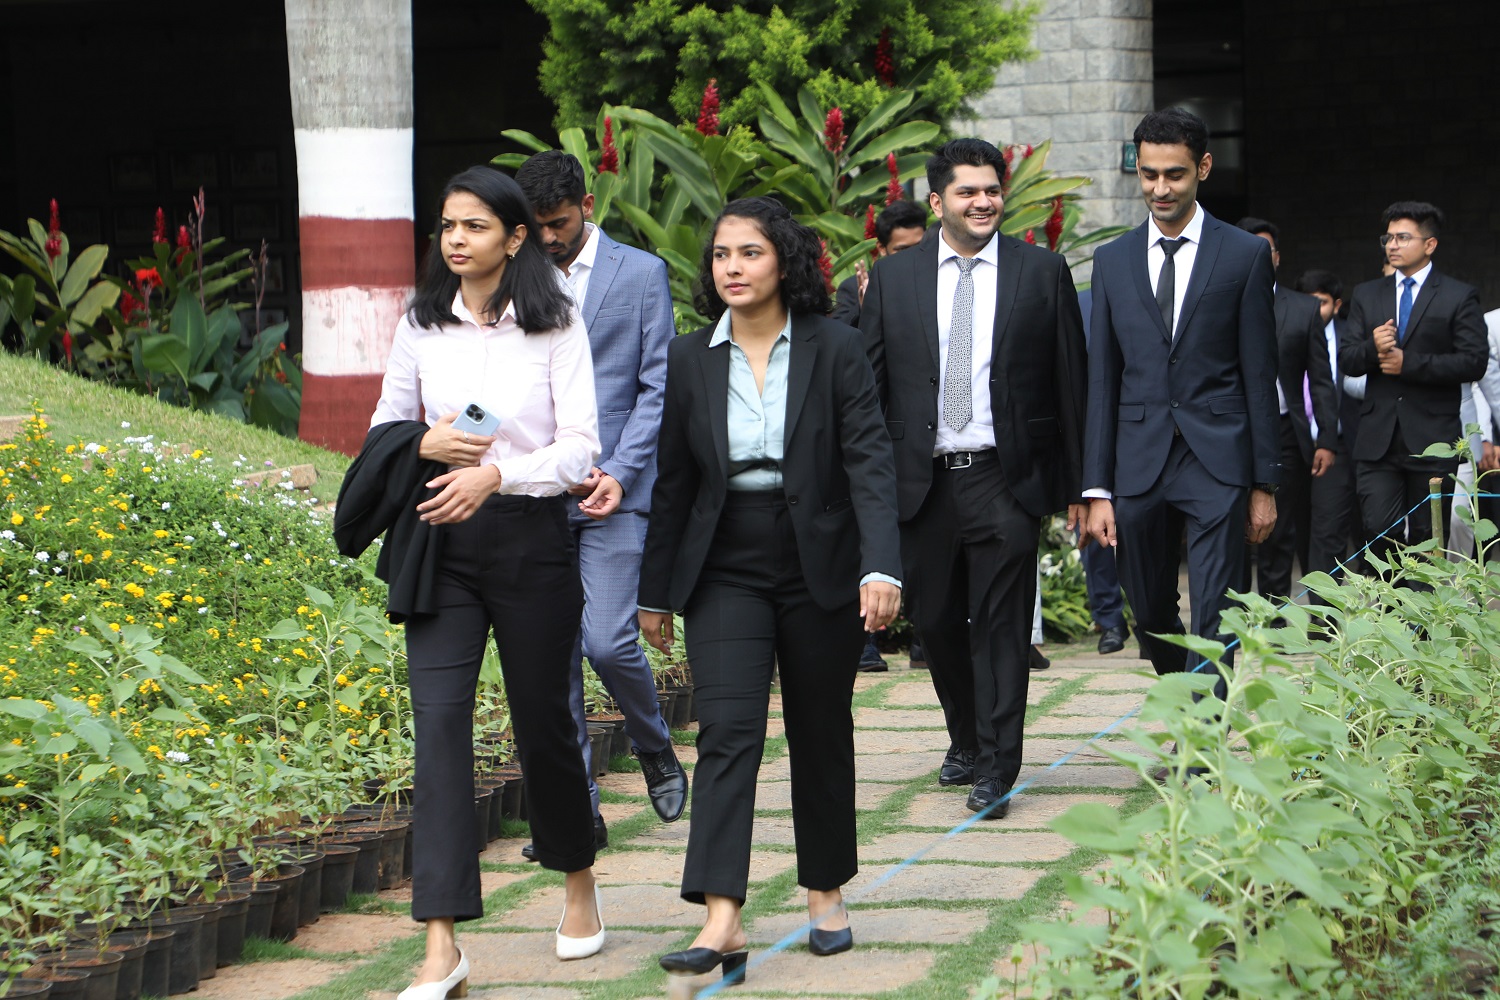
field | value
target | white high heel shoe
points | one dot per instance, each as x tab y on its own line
454	986
569	948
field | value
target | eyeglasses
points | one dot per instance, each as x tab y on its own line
1400	239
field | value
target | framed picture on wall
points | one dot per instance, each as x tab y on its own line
190	171
256	220
133	173
253	168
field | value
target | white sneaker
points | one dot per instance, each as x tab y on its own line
569	948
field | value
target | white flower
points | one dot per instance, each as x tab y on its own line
42	557
8	535
62	555
187	538
234	545
91	448
125	424
209	740
202	610
166	506
177	757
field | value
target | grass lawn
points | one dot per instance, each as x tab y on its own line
78	408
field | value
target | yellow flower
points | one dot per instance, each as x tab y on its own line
23	597
197	453
159	533
66	478
17	518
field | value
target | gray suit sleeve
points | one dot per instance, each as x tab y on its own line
637	447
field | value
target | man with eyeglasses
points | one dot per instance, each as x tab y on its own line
1418	336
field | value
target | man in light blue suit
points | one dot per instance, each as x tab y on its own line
627	307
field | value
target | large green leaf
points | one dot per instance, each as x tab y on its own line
23	297
878	117
902	136
874	178
93	301
572	140
854	253
523	138
84	270
165	354
189	325
688	171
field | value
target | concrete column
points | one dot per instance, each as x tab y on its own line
351	81
1089	85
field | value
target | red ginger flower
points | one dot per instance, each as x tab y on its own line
894	192
870	232
129	306
825	265
1031	236
53	246
148	278
1026	153
833	131
885	63
159	234
67	342
708	111
184	239
1055	223
609	157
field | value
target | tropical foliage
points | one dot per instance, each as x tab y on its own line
658	56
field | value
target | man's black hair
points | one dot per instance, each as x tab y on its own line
1428	217
903	214
551	178
1321	281
1255	227
1173	127
962	152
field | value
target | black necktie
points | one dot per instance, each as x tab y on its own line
1166	282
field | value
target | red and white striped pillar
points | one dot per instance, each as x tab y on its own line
350	71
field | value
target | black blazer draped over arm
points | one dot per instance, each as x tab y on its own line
837	469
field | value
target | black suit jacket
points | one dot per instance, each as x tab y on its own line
1302	352
1037	371
1348	405
1445	347
846	302
1215	382
836	467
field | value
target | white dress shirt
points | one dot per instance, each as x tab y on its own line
1182	261
583	265
1331	340
979	433
1281	406
541	385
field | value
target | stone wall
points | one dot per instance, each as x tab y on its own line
1087	88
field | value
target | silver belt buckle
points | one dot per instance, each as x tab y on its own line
959	460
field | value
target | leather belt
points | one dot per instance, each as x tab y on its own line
964	459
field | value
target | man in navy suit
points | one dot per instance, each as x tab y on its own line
1182	415
1419	337
627	307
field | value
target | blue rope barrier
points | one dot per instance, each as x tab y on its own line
794	936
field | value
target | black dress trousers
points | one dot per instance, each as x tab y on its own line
510	569
750	612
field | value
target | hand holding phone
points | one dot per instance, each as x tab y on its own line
475	420
457	440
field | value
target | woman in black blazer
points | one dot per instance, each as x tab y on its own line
773	528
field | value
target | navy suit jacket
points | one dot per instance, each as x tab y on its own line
1215	382
628	313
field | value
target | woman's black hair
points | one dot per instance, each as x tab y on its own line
530	278
798	249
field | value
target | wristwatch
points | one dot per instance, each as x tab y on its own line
1267	488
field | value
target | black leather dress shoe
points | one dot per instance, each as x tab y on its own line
870	661
1035	660
958	767
986	792
1112	640
601	840
665	782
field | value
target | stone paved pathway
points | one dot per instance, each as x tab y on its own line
935	930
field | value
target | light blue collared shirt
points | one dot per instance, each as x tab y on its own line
757	418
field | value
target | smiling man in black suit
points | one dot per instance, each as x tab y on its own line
1419	336
977	344
1182	425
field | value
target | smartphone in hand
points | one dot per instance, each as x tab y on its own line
475	420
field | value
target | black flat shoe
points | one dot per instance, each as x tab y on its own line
696	961
821	942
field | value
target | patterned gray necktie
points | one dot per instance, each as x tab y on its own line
958	384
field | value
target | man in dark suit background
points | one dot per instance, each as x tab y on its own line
1418	336
1304	397
1333	506
1100	575
1182	425
899	226
977	345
